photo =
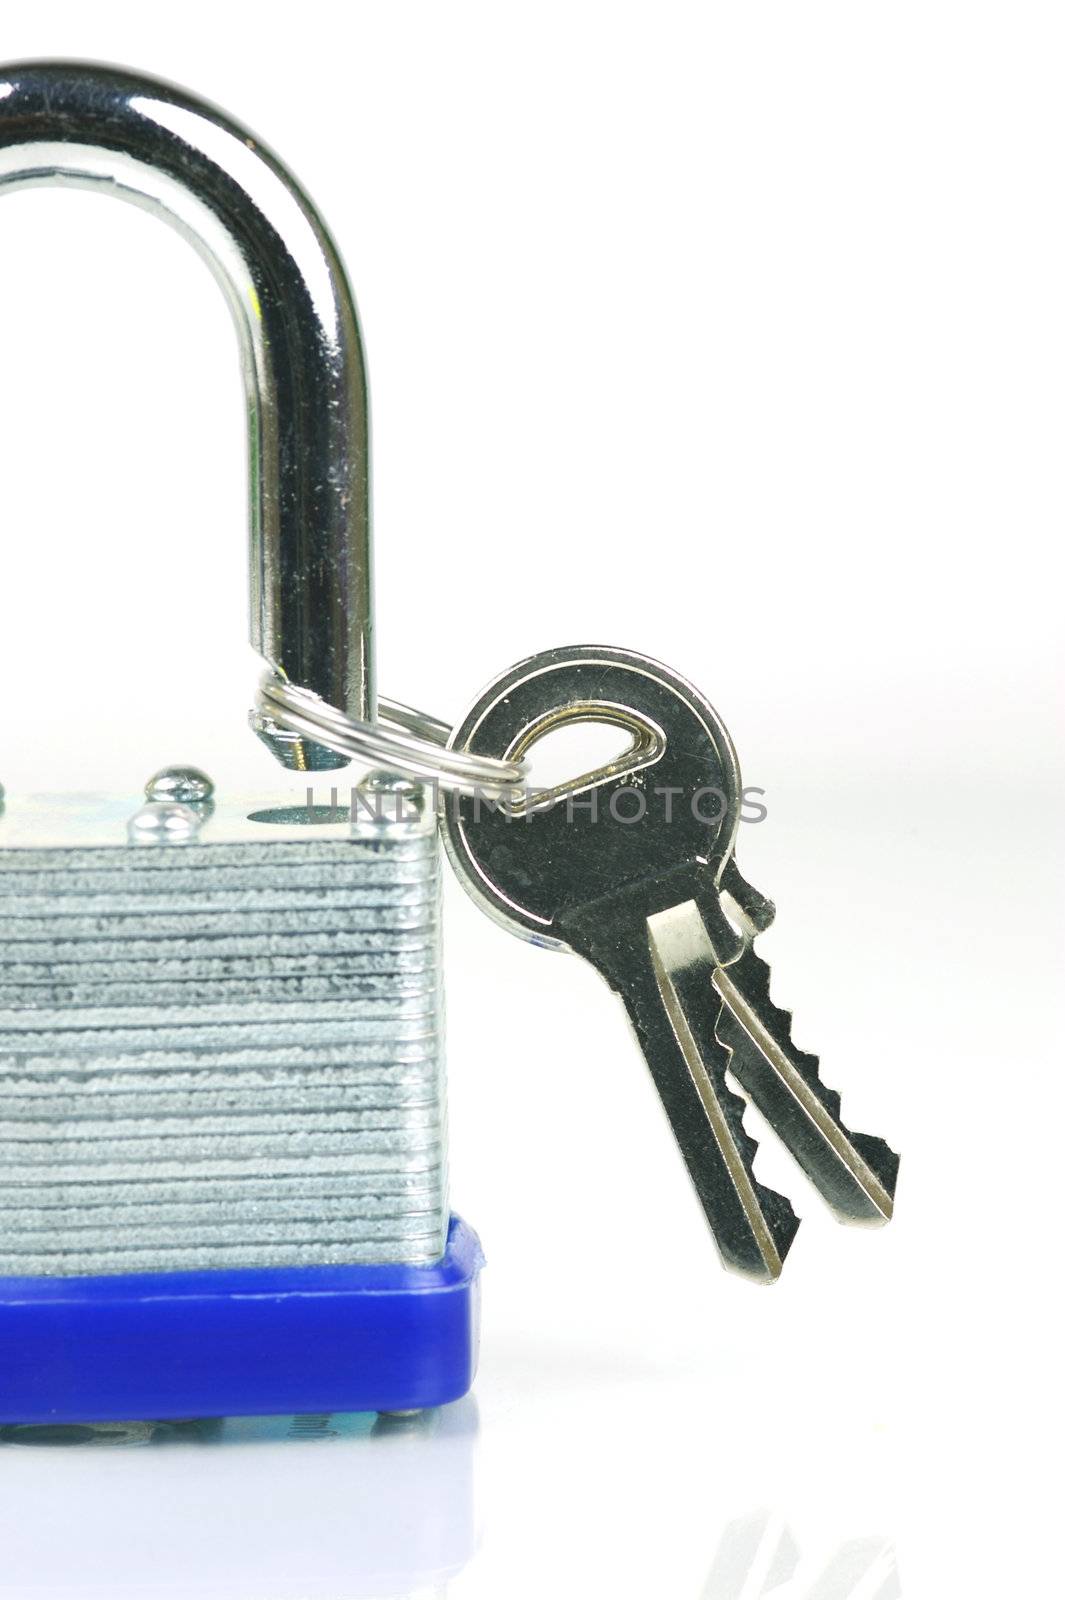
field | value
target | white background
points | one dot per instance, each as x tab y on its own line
735	334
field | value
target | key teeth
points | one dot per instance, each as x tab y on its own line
878	1155
780	1216
756	908
783	1222
757	975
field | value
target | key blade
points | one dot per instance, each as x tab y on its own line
753	1226
854	1172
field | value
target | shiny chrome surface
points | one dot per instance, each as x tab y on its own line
104	128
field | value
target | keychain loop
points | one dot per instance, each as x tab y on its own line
413	742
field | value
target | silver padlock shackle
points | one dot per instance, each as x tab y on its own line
97	127
88	126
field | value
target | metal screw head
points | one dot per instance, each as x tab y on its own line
385	799
187	786
164	822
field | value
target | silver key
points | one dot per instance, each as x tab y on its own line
632	867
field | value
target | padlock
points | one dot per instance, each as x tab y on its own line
224	1188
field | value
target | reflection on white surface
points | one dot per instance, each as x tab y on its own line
278	1507
758	1555
353	1506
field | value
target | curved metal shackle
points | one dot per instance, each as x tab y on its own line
90	126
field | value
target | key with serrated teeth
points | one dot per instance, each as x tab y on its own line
632	866
854	1172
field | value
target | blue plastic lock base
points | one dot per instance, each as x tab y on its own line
162	1345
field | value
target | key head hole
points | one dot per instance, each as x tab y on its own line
578	735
